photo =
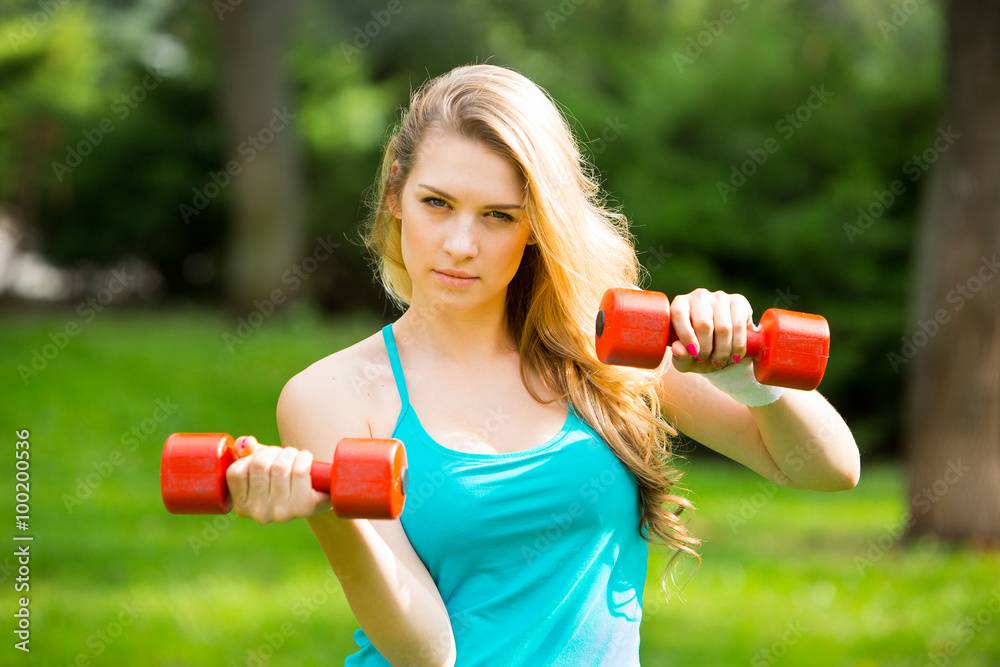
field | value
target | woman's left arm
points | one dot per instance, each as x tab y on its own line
799	440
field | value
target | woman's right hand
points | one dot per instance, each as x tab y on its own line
273	484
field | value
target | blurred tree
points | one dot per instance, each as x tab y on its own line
954	389
263	161
953	395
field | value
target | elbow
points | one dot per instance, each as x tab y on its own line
851	473
852	477
427	658
828	484
844	477
438	652
442	652
845	481
843	467
447	658
440	659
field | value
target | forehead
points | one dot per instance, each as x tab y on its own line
466	169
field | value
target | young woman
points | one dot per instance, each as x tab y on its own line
537	474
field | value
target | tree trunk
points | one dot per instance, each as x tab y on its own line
953	392
266	239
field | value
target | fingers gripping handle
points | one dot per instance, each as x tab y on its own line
633	329
788	349
367	478
356	479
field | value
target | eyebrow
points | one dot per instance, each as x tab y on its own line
448	196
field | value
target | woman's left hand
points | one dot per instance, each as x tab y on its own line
711	328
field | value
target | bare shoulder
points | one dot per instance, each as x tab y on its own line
346	394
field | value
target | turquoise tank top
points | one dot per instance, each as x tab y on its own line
537	554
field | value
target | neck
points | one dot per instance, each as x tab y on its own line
461	337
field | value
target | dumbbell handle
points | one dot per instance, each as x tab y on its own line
755	339
789	349
321	472
344	488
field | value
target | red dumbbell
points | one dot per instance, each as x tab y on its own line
367	478
789	349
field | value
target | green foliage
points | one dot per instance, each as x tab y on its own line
746	141
107	127
810	578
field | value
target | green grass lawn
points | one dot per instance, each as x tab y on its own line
789	578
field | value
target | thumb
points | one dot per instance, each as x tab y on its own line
245	445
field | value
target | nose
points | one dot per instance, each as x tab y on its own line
460	240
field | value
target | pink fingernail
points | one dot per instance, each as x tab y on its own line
692	349
736	358
718	364
699	360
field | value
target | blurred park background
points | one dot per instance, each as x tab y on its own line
181	187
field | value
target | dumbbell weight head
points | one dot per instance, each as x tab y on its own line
193	473
793	349
632	328
368	479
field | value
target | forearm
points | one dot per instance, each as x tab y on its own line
403	619
809	442
792	437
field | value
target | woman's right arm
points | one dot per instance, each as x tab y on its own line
390	591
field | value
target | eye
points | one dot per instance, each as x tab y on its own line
434	202
500	215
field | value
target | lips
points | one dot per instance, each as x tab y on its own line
456	273
455	278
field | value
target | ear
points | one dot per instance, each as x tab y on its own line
392	198
531	234
392	203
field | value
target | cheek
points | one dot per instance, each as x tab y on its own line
519	245
514	253
406	246
414	240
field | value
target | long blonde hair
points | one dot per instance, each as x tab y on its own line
582	248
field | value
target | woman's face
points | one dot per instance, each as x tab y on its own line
464	228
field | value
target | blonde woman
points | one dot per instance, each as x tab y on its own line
537	474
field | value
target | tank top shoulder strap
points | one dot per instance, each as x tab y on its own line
397	368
